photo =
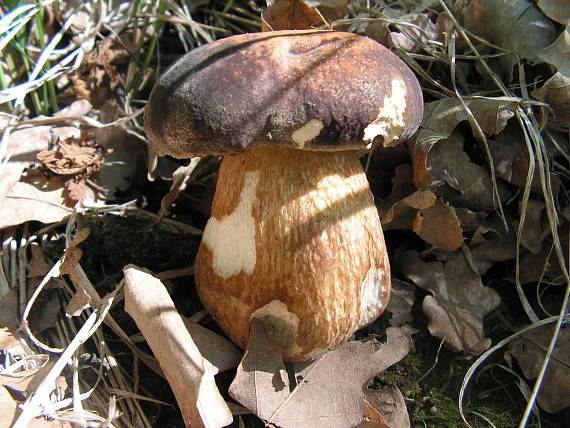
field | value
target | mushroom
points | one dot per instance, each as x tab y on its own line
294	237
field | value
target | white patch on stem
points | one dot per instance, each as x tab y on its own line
371	292
391	118
307	132
231	239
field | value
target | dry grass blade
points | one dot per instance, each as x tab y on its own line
32	407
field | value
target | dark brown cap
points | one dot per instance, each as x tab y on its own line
315	90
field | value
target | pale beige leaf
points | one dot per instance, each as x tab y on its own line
190	376
458	302
261	383
333	391
219	351
529	350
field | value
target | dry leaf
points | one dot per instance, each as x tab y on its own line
261	383
511	160
27	201
80	299
401	301
330	9
544	266
290	15
447	169
529	350
219	351
534	231
458	302
190	376
556	92
557	10
9	413
98	78
332	389
390	404
515	25
37	266
411	38
439	227
429	218
10	343
77	159
558	53
9	316
467	184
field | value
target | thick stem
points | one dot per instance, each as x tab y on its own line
296	237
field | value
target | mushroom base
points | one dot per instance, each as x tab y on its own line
295	240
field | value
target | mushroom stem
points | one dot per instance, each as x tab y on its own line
295	239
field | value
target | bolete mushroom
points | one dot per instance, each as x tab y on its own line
294	237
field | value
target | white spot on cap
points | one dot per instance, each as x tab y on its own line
371	292
231	239
307	132
281	325
391	118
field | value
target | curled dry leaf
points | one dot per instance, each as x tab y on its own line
75	159
529	350
517	26
190	376
332	389
458	302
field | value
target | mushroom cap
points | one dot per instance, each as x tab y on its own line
312	90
